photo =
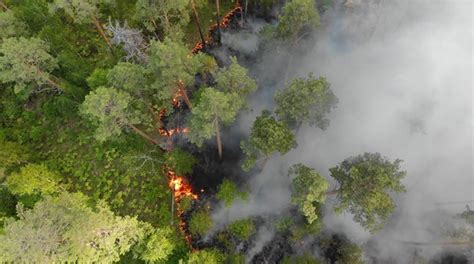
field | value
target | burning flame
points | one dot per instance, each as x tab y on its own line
223	24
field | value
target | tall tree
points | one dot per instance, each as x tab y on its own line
306	101
175	68
168	16
308	191
266	137
296	15
33	179
214	109
12	153
26	63
157	244
10	26
82	12
66	229
365	182
234	78
111	110
208	256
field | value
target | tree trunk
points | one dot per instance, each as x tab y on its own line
218	136
143	135
101	31
182	91
172	205
4	6
196	18
218	13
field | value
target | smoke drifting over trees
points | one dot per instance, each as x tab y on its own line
402	73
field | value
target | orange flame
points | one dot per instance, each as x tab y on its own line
224	24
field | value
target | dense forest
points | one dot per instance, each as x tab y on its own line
135	132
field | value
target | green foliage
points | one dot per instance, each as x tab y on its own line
266	137
208	256
157	245
129	77
33	179
80	11
66	229
10	25
306	101
7	205
169	16
98	78
242	229
228	192
180	161
110	110
296	15
214	108
302	259
235	79
200	222
308	190
26	63
341	249
12	153
365	182
300	230
174	67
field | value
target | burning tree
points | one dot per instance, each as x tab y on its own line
306	101
82	12
111	110
175	68
266	137
27	63
214	109
364	185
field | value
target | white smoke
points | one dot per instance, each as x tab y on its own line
402	71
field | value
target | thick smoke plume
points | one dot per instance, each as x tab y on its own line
402	71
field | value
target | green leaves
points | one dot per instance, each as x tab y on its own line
80	11
296	15
306	101
365	183
242	229
267	136
235	79
33	179
26	63
228	192
66	229
110	110
200	222
308	191
208	256
10	26
157	245
214	108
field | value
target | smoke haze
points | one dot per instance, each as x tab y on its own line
402	71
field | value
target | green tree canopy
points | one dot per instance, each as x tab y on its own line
306	101
308	191
169	16
111	110
174	67
180	161
266	137
208	256
130	77
10	26
66	229
365	182
302	259
234	78
296	15
26	63
12	153
242	228
157	245
228	192
200	222
33	179
214	109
